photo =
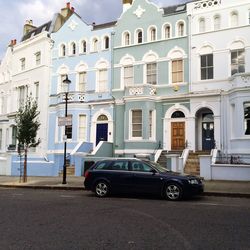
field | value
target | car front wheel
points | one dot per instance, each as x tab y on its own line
101	189
173	192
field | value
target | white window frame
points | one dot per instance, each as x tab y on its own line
22	94
125	41
62	50
105	43
22	63
236	50
152	37
84	83
131	124
234	19
164	31
156	73
217	22
94	45
38	58
202	25
82	127
177	59
206	67
136	36
125	83
180	32
82	48
102	84
72	49
36	84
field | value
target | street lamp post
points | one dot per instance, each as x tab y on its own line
67	82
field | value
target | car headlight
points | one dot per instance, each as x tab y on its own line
193	181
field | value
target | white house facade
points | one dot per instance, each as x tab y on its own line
220	73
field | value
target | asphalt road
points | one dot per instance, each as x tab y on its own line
52	219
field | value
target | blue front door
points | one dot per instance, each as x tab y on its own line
207	135
101	132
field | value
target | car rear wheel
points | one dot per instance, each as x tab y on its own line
173	192
101	189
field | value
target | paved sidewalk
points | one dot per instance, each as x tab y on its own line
216	188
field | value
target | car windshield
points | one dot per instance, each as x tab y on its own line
158	167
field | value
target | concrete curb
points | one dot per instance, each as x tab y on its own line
218	194
43	187
223	194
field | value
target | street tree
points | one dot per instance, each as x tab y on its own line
27	126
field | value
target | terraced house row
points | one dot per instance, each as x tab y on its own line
161	83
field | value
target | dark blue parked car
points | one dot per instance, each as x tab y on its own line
125	175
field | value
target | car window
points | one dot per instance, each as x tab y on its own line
140	166
120	165
103	165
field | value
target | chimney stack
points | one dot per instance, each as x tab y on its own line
28	26
126	4
67	11
12	43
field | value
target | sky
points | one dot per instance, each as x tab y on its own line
14	13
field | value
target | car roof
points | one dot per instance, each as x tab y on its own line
120	158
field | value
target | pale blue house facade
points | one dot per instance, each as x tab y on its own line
83	53
151	79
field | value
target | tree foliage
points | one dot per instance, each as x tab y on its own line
27	127
28	124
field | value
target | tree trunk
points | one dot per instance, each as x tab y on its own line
25	165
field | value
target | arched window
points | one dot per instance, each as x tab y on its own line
102	118
83	46
152	34
202	25
178	114
63	50
126	39
73	48
217	22
167	31
106	42
139	36
95	45
234	19
180	29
